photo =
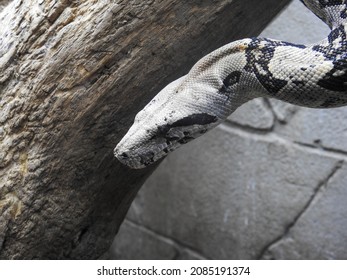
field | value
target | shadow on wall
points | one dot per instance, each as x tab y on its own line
269	183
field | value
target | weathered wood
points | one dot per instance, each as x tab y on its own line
3	3
72	76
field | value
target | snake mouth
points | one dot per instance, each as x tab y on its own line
142	156
157	147
142	147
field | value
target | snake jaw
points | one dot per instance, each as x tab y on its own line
142	146
137	155
146	151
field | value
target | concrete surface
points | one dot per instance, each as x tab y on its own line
270	183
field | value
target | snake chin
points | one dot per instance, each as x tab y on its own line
140	156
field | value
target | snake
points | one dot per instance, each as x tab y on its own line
313	76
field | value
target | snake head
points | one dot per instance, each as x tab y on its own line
171	119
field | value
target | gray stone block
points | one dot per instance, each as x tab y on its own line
318	127
229	194
282	110
134	242
323	221
255	114
296	24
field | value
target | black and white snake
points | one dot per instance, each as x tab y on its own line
311	76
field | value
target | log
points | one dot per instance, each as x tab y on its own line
73	74
4	3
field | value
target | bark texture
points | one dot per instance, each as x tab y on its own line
72	76
4	3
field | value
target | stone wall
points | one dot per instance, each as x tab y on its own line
270	183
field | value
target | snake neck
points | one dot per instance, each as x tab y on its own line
220	78
260	67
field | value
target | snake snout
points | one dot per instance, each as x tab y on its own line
127	158
121	155
139	149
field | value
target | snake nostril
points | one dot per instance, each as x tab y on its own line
124	155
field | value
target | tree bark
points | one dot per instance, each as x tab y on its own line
72	76
4	3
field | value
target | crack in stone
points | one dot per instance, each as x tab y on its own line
246	128
288	112
255	128
321	147
178	245
269	106
318	189
271	137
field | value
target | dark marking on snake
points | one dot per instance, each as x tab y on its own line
200	119
336	78
232	79
147	159
331	102
259	54
298	83
185	140
330	3
343	14
194	119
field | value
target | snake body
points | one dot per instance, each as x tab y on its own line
311	76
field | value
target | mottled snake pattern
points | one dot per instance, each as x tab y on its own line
311	76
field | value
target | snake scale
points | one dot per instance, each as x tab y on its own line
312	76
